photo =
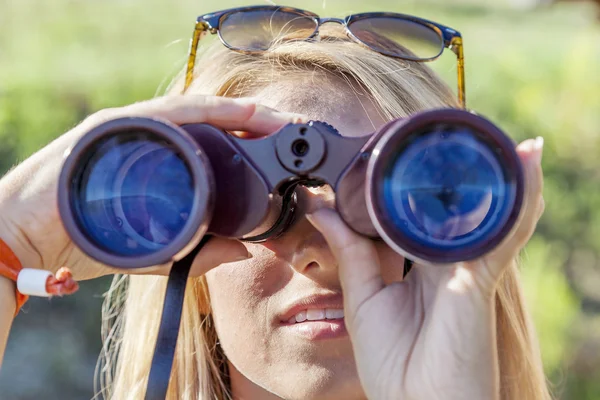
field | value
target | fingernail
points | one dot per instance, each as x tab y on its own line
538	147
539	143
242	257
293	117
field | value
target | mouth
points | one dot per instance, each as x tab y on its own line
312	322
317	314
318	330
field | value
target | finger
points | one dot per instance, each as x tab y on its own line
241	114
215	252
359	267
256	134
530	152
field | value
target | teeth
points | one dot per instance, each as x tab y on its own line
317	314
334	313
301	316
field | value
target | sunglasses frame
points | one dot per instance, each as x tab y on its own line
210	23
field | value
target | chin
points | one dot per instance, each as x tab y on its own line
321	390
310	381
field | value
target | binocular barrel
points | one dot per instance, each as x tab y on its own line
441	186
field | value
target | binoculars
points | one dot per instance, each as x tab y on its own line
438	187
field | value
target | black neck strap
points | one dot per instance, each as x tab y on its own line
408	264
164	351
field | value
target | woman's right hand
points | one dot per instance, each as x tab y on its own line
29	219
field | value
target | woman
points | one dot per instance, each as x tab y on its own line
448	332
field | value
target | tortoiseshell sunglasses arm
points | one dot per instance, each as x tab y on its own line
200	30
457	47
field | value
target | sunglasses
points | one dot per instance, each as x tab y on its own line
255	29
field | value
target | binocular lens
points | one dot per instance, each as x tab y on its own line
446	189
134	194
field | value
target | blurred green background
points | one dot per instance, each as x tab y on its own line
532	67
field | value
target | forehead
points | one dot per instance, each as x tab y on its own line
344	105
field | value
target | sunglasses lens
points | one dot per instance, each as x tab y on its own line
258	29
398	37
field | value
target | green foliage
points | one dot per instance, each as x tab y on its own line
553	305
533	73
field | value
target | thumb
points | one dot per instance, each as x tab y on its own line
358	262
218	251
215	252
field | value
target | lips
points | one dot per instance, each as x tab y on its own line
314	317
317	330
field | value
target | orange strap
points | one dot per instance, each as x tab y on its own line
10	266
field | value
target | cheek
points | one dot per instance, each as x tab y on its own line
240	296
242	289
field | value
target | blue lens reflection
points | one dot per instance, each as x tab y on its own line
134	195
447	190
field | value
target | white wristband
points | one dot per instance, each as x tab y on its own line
32	282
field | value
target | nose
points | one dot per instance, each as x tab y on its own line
302	246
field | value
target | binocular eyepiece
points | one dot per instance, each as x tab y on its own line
441	186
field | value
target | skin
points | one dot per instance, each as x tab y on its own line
252	292
416	355
435	331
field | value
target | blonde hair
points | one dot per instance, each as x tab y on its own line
133	304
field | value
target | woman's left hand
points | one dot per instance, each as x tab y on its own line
432	336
